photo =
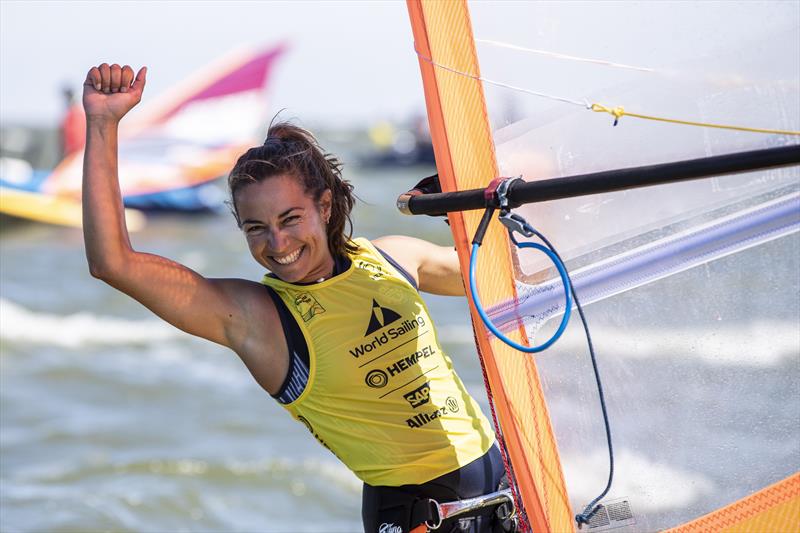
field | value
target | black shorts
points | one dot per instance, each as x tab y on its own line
388	509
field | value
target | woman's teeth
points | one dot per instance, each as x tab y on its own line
288	259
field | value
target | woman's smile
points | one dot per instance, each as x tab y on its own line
288	259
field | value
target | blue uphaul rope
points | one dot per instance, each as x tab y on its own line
592	507
516	223
562	271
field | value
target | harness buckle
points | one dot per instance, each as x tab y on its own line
443	511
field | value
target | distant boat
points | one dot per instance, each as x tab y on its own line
172	147
399	146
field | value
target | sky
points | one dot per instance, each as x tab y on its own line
351	62
347	62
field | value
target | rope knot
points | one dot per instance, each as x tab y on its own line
617	112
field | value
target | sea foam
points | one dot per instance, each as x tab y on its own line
21	325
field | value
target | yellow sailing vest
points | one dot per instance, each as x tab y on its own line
381	395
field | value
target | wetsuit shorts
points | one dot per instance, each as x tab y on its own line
388	509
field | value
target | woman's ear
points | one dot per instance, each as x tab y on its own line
325	202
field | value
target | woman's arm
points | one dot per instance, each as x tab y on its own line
218	310
435	268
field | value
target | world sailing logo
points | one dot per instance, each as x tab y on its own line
380	317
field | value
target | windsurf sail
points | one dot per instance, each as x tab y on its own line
173	144
693	286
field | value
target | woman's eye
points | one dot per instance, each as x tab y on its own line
252	230
291	220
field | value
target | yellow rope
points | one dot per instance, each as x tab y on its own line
619	112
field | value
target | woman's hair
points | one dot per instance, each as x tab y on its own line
293	151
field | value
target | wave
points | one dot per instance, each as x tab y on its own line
186	494
21	325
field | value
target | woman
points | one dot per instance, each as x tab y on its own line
337	333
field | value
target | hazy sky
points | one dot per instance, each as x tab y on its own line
353	61
347	61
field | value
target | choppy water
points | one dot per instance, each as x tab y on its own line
113	421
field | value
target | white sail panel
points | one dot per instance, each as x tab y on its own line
692	289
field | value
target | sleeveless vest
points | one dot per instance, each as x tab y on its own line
381	394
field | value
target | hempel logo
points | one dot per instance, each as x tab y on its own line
379	378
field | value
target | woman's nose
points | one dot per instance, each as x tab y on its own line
276	240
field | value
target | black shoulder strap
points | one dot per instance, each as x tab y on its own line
295	341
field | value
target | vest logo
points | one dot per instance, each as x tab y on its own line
409	361
421	419
389	335
376	379
307	306
380	317
389	528
374	271
452	404
379	378
419	396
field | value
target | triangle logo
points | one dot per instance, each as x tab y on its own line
380	317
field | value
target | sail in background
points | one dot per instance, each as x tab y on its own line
173	143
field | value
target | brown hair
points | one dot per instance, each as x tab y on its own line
292	150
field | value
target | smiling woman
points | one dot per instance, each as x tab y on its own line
305	179
336	332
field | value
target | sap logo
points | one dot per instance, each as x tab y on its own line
389	528
419	396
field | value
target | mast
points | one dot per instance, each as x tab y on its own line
465	159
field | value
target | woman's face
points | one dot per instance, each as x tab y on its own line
285	228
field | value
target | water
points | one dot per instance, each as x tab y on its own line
113	421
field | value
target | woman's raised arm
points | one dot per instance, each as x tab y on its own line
218	310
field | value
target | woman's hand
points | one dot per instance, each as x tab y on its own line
110	91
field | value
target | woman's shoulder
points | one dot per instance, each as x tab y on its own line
251	296
402	245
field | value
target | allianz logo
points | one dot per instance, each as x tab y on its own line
422	419
387	336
